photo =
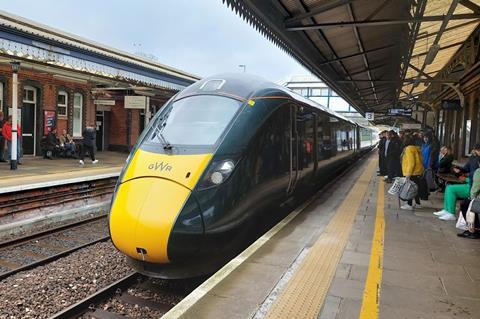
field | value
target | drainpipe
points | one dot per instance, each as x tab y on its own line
13	155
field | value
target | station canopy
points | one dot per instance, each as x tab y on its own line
377	54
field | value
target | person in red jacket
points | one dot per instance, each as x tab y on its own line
7	134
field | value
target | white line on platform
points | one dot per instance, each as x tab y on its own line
16	188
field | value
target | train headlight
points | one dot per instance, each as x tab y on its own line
217	174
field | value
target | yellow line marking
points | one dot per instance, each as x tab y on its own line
305	293
371	294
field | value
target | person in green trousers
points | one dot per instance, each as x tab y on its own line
453	192
462	191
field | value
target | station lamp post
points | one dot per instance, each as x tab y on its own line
13	156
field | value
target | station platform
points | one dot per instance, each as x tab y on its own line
43	194
37	172
349	252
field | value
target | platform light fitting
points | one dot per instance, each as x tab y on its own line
15	66
432	53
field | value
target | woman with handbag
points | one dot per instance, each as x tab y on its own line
472	206
412	168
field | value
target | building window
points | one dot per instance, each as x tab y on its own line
1	96
29	95
77	114
62	102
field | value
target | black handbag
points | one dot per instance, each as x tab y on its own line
429	176
475	206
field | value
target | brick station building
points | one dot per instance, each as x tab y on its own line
69	82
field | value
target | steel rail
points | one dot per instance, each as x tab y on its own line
47	232
87	303
48	259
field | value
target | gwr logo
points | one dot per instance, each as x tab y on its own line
160	167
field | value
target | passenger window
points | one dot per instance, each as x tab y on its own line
305	127
326	143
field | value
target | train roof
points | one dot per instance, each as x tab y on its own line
247	86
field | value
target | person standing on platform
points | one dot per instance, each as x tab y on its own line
393	151
2	139
430	152
7	135
412	168
89	141
382	161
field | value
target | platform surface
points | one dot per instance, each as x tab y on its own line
317	265
39	171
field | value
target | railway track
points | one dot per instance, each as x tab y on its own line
133	296
40	248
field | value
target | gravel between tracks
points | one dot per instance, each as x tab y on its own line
45	290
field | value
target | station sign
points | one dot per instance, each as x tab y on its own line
104	102
369	116
399	112
411	126
136	102
104	108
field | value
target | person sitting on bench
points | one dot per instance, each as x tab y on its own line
67	142
52	146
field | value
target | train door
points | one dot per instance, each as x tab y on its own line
293	150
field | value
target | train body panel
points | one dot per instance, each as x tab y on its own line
143	216
252	149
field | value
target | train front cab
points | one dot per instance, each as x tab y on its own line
155	218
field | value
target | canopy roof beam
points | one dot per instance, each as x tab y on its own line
425	35
361	49
472	6
420	72
328	5
419	11
358	54
411	80
443	26
376	23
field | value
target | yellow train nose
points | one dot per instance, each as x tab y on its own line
143	215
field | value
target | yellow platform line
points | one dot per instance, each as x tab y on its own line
371	293
305	293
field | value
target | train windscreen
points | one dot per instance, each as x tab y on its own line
196	120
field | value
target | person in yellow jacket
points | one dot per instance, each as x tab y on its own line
412	167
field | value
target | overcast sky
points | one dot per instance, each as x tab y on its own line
202	37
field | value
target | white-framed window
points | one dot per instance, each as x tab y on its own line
62	104
1	96
29	94
77	114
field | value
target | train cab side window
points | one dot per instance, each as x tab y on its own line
271	153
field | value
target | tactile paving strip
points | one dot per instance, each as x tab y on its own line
305	293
